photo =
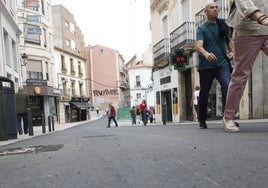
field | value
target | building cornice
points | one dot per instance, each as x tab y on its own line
66	52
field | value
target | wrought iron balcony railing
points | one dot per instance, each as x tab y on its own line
161	50
123	70
183	36
123	85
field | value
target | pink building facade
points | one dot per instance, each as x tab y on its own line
103	75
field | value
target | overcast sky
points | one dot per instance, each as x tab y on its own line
122	25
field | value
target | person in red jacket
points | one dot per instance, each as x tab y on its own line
111	115
143	110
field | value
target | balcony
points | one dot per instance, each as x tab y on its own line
123	70
200	18
161	53
183	36
159	5
123	85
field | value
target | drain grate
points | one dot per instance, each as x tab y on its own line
29	150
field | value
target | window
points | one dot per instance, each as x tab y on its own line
32	34
14	51
73	44
71	64
81	89
32	4
138	96
71	27
43	7
138	81
63	65
67	42
34	75
73	88
47	71
165	27
52	105
72	68
80	70
45	37
7	47
66	25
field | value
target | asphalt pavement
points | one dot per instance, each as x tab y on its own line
37	130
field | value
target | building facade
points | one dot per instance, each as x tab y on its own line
36	49
9	37
173	26
70	66
140	80
106	77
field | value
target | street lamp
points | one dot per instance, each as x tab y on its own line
24	58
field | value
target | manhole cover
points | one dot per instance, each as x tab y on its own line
28	150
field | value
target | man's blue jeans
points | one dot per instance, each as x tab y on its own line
24	117
223	76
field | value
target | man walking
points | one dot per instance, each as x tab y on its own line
22	103
111	115
133	115
250	23
212	44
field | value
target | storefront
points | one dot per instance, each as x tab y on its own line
43	102
79	109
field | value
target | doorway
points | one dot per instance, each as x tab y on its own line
37	108
188	95
166	104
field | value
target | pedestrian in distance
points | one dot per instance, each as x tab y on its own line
111	113
22	104
195	98
150	114
133	115
97	110
138	115
143	110
250	34
215	50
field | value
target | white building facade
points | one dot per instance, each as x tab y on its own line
140	81
70	66
9	37
36	48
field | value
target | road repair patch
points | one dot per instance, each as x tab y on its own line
30	150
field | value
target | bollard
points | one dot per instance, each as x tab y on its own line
49	123
43	124
30	121
53	127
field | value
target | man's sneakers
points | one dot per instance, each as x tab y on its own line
230	126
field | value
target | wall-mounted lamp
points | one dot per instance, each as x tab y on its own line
24	58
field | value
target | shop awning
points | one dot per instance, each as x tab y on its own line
82	104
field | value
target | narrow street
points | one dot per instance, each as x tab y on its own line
153	156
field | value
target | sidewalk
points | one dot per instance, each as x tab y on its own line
37	130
